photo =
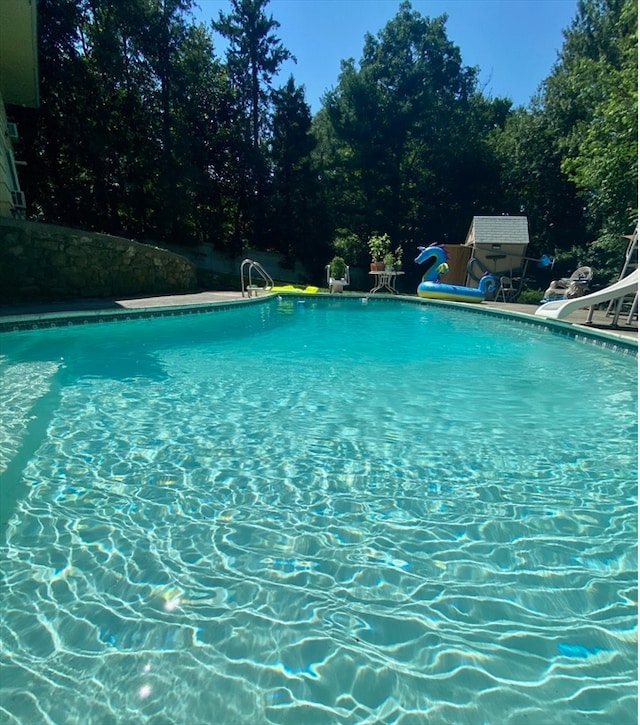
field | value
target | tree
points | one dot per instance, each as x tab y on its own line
135	132
253	58
295	214
203	118
532	183
591	105
404	135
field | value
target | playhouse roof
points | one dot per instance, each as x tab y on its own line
498	230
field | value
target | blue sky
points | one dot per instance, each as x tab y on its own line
513	42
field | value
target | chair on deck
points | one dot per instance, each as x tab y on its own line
570	287
507	290
337	285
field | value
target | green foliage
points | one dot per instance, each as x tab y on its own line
569	162
379	246
253	57
402	135
591	105
533	183
130	126
255	53
337	267
530	297
144	132
348	245
294	212
605	256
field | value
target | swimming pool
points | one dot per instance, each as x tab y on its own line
317	512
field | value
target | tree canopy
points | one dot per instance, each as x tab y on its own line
404	136
145	130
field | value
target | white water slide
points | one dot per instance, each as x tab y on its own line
559	309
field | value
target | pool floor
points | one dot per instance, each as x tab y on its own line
329	513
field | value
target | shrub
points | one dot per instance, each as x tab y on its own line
530	297
337	267
348	245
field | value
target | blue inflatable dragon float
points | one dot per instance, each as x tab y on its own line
435	257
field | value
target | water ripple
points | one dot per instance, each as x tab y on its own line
200	547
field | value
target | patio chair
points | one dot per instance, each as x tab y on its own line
337	285
569	288
507	290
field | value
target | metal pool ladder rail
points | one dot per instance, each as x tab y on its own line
246	280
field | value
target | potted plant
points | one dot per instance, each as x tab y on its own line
389	262
338	274
337	268
379	245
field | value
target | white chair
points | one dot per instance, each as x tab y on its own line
507	290
337	285
570	287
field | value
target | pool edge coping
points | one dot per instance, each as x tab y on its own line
64	318
561	327
29	322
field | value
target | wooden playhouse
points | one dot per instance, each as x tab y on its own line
498	245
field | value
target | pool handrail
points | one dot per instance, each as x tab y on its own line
249	288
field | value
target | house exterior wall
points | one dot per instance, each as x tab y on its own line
5	150
18	86
19	53
9	183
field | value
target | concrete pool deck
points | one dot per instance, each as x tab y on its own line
41	311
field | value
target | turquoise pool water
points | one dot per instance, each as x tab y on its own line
319	512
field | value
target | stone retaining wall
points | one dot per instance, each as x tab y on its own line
43	262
